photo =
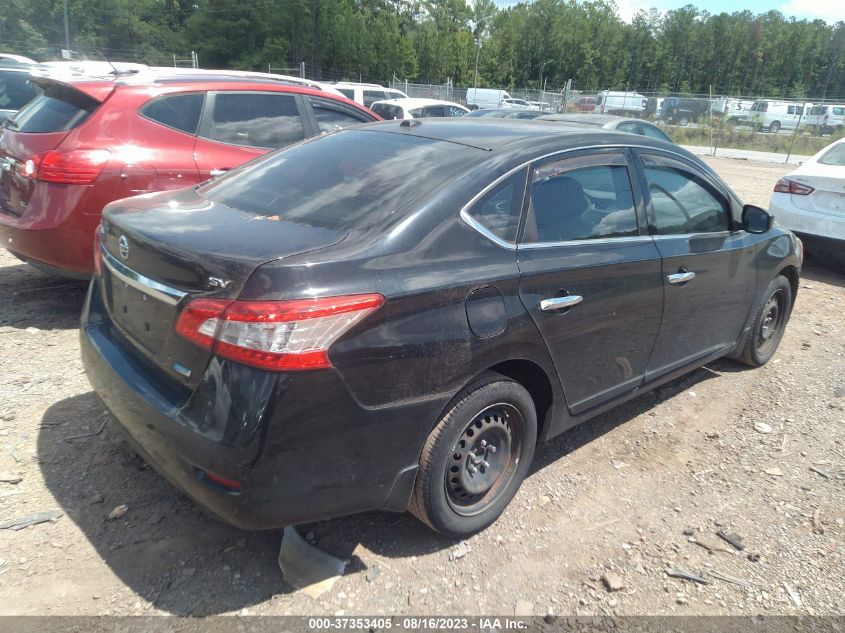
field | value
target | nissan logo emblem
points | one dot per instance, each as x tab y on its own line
123	246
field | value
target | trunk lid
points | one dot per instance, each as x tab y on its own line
829	184
39	127
162	250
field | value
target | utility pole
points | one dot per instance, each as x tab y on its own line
477	51
67	31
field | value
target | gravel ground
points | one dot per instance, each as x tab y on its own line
628	492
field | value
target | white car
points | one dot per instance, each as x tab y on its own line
517	104
410	108
810	202
367	94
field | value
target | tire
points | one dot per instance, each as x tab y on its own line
684	121
475	459
770	319
774	127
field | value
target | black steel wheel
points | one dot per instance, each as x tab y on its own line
769	324
475	459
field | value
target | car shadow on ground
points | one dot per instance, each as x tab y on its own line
173	554
822	271
35	299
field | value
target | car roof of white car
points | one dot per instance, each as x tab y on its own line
417	102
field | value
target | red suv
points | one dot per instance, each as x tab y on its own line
84	143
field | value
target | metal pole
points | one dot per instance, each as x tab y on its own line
477	51
67	31
794	132
302	70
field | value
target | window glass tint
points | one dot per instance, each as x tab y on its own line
498	210
653	132
16	90
580	204
58	109
839	111
331	183
429	111
387	111
256	120
330	118
682	202
454	111
817	110
834	156
177	111
349	93
370	96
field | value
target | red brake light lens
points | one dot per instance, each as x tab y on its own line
785	185
68	167
276	335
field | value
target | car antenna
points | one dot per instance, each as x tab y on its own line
115	71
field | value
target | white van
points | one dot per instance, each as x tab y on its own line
767	114
367	94
825	119
613	102
486	98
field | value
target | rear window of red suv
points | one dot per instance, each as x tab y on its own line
59	109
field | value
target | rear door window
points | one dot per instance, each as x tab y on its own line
331	117
388	111
653	132
180	112
255	119
498	210
630	127
588	197
59	109
371	96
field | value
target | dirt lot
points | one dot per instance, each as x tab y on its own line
615	494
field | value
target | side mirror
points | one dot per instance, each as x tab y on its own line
755	219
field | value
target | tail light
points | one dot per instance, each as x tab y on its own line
68	167
275	335
785	185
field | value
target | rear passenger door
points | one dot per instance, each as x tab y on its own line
708	272
239	126
590	275
330	116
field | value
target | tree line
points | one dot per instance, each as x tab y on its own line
528	45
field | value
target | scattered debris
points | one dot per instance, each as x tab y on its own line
685	575
118	512
86	435
774	471
97	498
793	594
613	581
373	573
460	551
734	539
689	531
33	519
762	427
8	478
754	557
544	500
818	528
711	544
305	567
731	579
819	471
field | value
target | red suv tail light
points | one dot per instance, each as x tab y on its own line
68	167
276	335
785	185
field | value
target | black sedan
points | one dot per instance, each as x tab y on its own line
391	317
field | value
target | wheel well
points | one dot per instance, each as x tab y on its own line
791	274
536	381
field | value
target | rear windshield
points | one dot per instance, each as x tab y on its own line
330	183
387	111
59	109
16	90
834	156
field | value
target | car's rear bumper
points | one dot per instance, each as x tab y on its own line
805	222
65	250
303	449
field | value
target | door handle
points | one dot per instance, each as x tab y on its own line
681	278
218	172
559	303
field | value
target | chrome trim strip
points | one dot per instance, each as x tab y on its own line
629	239
138	281
466	217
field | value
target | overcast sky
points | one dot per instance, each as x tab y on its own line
829	10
